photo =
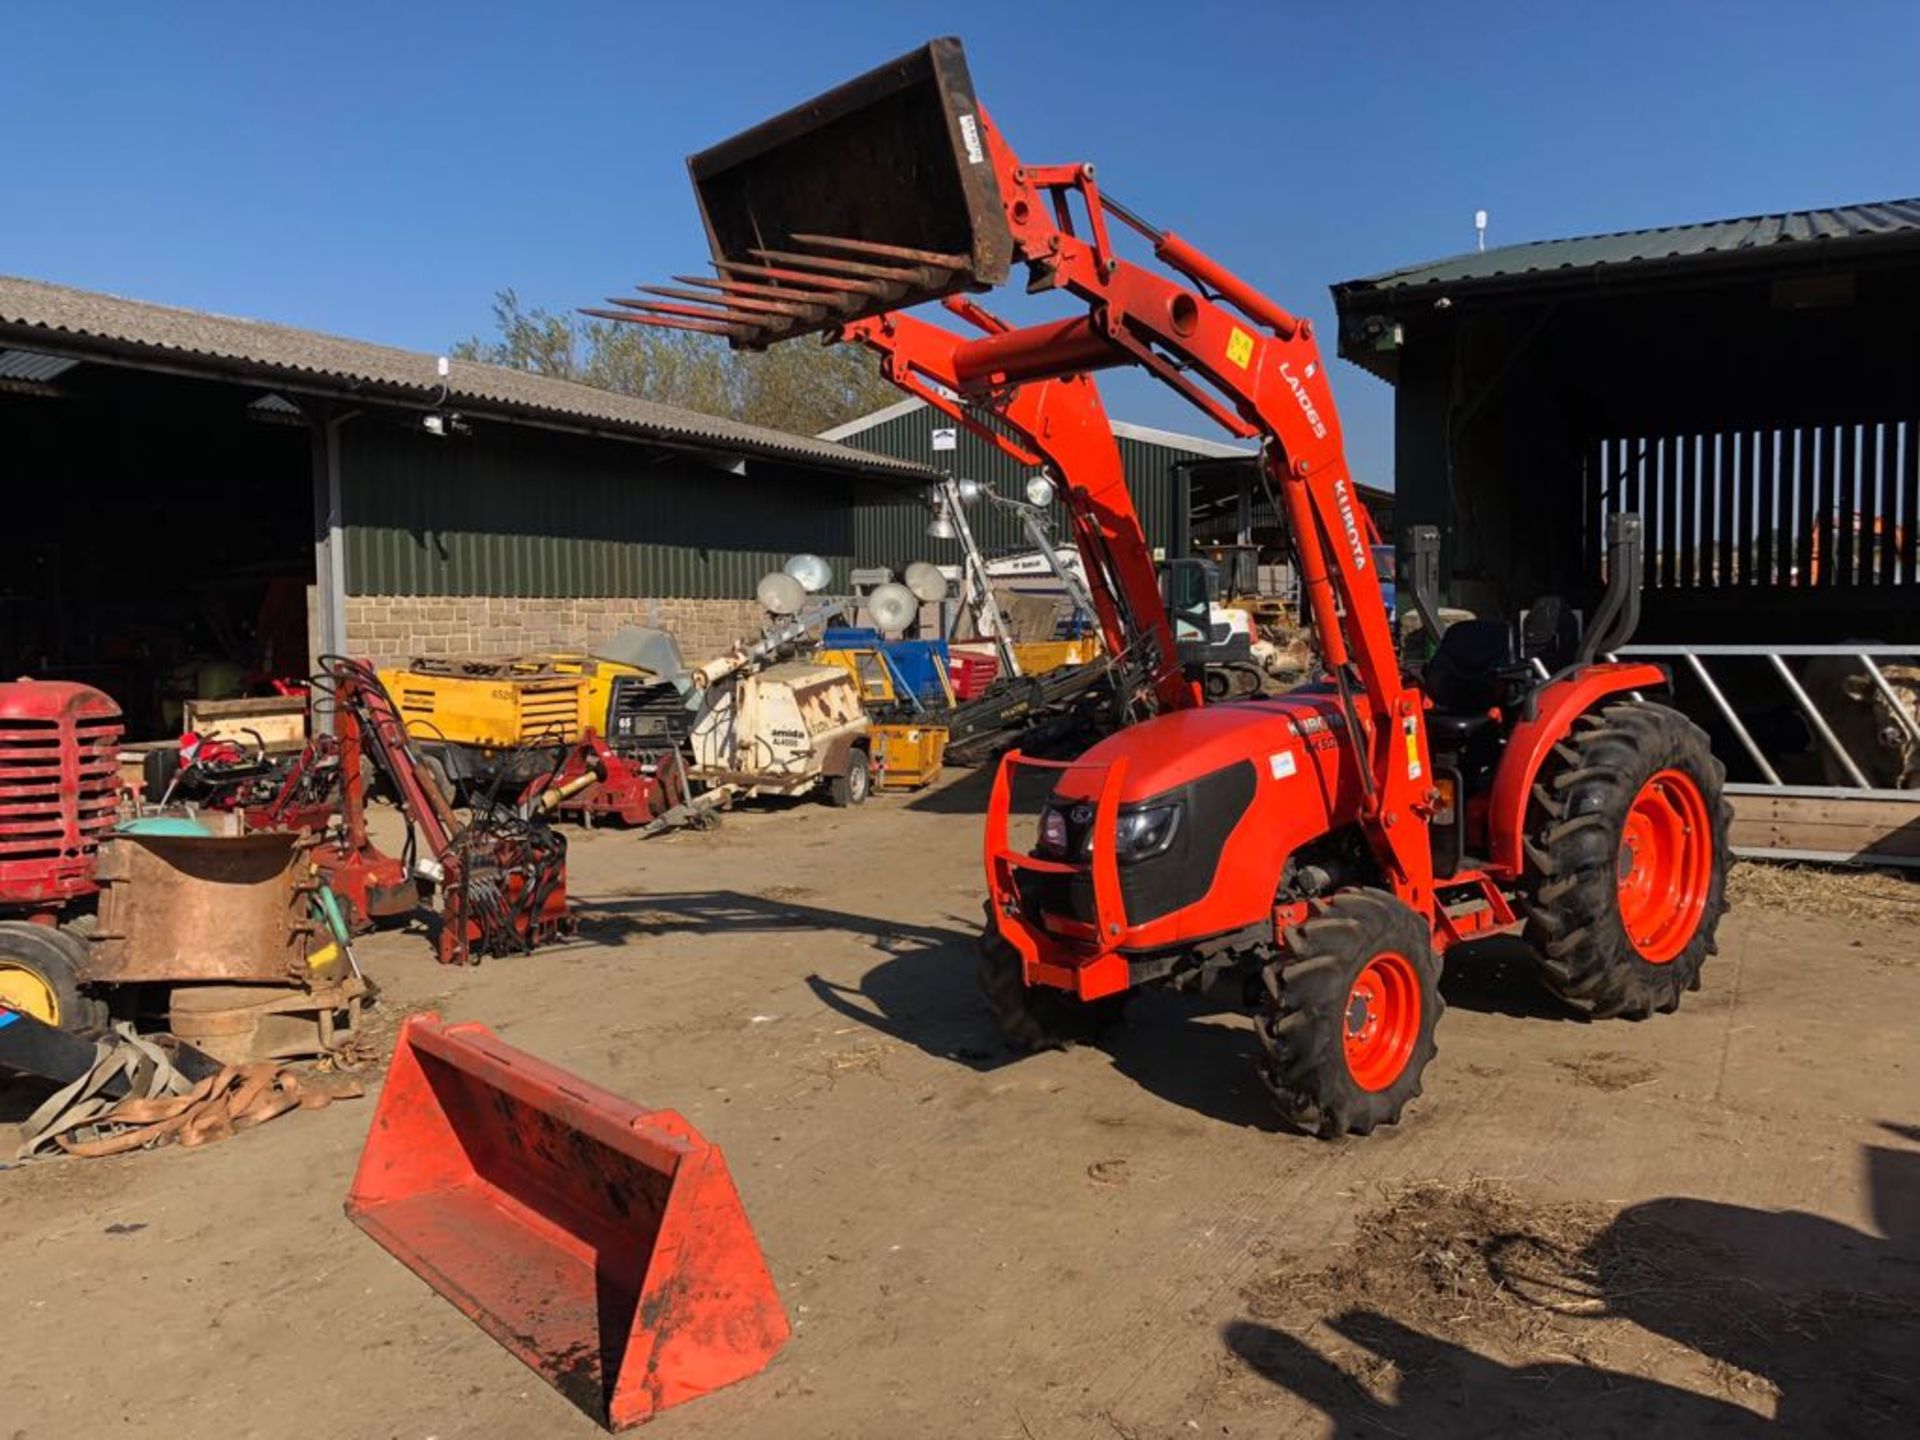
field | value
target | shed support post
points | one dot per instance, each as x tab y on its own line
329	624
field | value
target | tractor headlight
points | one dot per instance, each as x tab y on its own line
1145	832
1053	831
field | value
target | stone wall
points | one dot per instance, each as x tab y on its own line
388	628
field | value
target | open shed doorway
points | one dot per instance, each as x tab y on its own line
158	542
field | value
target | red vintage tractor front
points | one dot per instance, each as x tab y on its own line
59	796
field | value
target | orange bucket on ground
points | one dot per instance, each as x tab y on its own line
602	1243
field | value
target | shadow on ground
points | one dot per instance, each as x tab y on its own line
1498	975
1823	1316
1188	1050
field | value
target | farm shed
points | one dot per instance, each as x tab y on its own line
1750	388
199	502
891	533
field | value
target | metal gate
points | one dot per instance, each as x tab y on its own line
1822	744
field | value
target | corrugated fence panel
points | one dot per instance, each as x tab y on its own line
521	512
895	534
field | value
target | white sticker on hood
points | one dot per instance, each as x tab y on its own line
1282	763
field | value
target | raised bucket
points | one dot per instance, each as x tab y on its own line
894	158
602	1243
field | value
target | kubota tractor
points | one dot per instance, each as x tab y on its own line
1316	852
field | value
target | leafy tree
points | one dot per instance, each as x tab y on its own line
800	387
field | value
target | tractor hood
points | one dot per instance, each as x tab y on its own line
1172	750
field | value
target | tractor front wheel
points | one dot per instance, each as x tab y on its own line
1036	1017
1347	1019
1627	858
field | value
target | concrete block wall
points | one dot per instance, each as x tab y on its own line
389	628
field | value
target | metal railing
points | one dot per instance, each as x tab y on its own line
1867	663
1776	678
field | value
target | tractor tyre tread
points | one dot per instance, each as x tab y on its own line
1302	1023
1570	893
1033	1017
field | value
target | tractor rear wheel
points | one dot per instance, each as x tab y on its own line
1037	1017
1347	1018
1627	858
40	969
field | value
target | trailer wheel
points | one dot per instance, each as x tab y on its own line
1034	1017
1627	858
1347	1018
852	787
40	969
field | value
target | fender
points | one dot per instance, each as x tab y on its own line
1555	708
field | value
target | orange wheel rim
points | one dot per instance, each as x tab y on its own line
1665	866
1382	1020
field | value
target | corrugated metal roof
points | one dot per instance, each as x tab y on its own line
108	324
31	366
1843	225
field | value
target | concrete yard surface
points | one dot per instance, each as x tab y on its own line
1707	1223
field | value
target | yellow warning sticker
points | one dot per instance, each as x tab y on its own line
1413	748
1240	347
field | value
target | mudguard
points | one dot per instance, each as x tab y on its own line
1556	706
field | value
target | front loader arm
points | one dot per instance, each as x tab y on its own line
897	188
1257	370
1061	423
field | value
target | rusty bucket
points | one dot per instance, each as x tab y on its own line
877	193
184	907
602	1243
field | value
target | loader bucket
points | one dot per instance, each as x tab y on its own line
602	1243
879	194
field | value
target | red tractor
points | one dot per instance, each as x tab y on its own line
59	795
1319	851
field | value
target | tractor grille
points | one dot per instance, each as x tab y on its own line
59	794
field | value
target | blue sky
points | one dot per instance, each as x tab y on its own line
380	170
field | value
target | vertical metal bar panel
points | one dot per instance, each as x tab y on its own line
1764	521
1819	723
1908	573
1806	481
1657	469
1846	509
1686	478
1634	462
1867	541
1726	502
1886	501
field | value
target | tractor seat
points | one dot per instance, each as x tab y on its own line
1465	672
